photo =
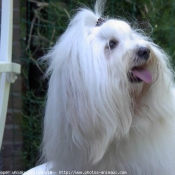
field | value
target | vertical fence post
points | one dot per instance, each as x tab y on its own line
8	70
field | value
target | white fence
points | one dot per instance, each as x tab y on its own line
8	70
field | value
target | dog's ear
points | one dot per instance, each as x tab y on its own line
163	70
71	110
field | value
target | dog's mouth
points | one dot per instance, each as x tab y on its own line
139	74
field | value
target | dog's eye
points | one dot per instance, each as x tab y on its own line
112	44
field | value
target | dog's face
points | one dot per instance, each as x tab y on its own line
126	51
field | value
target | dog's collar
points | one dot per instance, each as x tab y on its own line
100	22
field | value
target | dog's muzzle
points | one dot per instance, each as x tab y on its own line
140	72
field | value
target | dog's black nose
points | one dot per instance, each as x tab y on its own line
144	52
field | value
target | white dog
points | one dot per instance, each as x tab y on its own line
110	106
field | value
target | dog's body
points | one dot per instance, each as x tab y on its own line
111	104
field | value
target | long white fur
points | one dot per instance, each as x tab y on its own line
96	119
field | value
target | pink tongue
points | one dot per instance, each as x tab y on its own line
143	74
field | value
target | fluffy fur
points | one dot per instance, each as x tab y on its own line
96	118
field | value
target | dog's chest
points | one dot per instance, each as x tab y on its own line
139	155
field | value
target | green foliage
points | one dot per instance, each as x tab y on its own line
46	20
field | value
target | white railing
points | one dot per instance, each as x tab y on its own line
8	70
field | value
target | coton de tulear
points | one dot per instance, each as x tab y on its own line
110	103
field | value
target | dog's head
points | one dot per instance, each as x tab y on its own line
102	74
124	48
